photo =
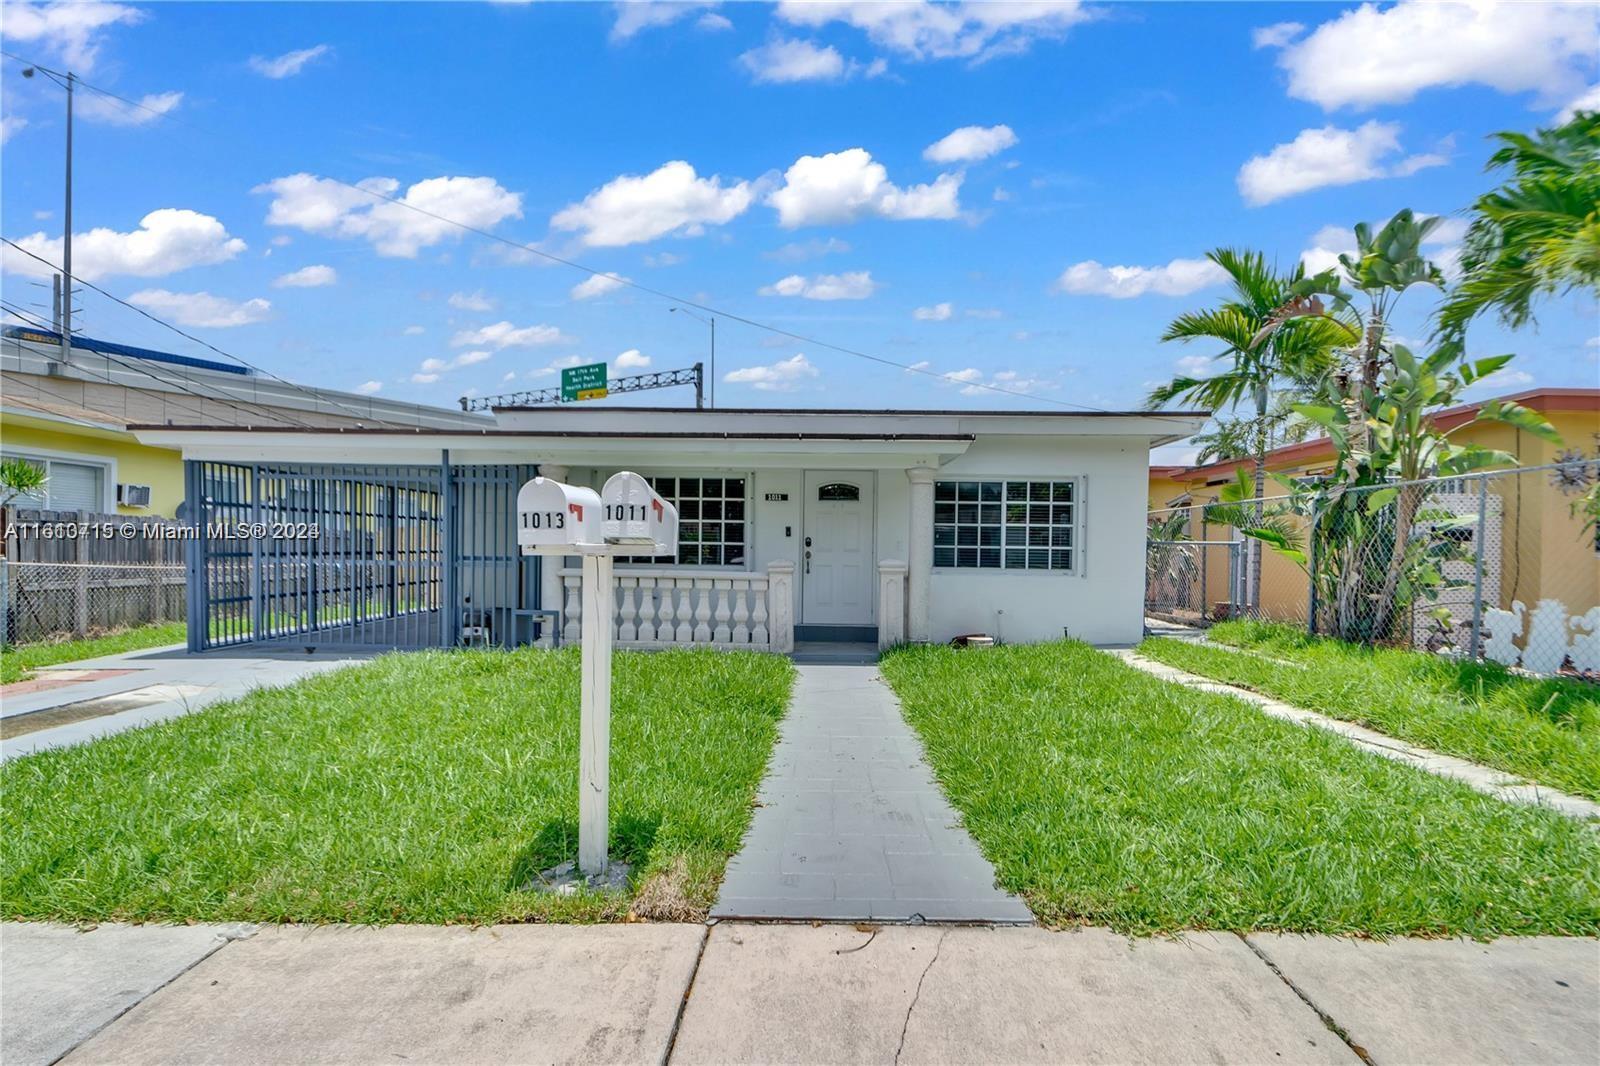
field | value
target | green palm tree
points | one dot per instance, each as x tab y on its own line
1258	355
1539	233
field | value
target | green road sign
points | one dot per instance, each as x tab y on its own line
584	382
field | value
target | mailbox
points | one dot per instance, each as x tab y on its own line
553	514
634	513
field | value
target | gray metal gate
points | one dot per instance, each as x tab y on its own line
356	556
1194	582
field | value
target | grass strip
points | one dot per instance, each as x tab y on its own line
1102	794
1544	729
426	787
17	662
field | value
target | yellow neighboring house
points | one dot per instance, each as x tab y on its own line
1533	534
93	463
71	416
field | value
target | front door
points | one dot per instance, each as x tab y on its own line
836	556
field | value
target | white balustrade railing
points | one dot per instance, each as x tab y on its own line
690	607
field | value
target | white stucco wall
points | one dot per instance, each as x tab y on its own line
1103	602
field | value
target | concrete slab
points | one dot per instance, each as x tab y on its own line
533	993
909	994
852	825
61	986
1534	999
183	681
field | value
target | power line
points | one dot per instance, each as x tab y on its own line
258	410
909	368
315	396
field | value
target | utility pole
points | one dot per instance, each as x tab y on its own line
66	241
65	324
712	322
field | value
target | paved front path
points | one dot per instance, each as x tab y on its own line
783	993
851	824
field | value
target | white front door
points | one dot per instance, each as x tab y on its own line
836	555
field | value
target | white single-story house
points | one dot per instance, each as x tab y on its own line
796	525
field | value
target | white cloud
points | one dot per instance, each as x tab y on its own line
1276	35
433	368
471	358
505	335
10	126
844	186
413	331
634	16
786	375
1504	379
1178	278
424	378
712	22
289	64
671	199
921	30
597	285
970	144
1588	100
783	60
939	312
67	29
662	259
970	374
201	308
984	312
470	301
108	109
1197	366
856	285
322	205
799	251
368	388
311	277
1329	156
632	359
1370	56
167	241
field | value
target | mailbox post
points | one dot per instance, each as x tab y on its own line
626	518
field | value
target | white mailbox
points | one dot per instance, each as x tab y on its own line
553	514
634	513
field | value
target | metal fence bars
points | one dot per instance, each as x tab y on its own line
357	556
1498	565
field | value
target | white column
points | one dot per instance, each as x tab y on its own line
550	593
780	605
891	603
594	717
919	572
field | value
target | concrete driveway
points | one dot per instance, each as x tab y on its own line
116	692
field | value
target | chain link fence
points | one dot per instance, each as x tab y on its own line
1499	565
53	601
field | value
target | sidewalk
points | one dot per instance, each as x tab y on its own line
782	993
851	824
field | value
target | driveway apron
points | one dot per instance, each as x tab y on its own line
851	825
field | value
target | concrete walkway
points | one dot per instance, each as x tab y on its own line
117	692
851	824
1485	779
783	993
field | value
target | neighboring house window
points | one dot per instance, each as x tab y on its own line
712	529
1005	525
71	486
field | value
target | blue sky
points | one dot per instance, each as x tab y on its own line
954	188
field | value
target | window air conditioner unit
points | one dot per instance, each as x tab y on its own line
133	495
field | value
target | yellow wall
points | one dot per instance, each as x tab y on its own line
160	468
1543	555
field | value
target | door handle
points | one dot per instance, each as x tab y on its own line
808	560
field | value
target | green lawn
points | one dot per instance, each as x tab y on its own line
1105	795
1545	730
425	787
17	663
